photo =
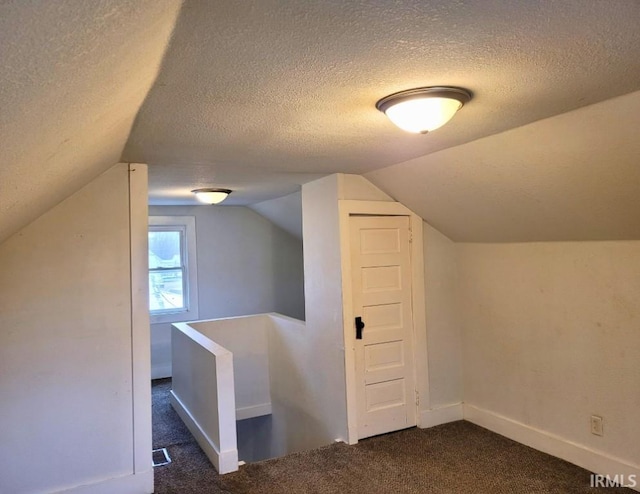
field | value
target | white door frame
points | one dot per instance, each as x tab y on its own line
346	209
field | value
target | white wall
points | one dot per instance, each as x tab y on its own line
323	297
246	265
358	188
286	212
246	338
323	290
294	425
550	337
66	347
444	344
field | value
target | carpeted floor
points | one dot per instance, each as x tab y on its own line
453	458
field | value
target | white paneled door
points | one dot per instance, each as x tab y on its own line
381	284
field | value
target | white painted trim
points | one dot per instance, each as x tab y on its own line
245	316
347	208
253	411
140	329
592	460
276	315
420	352
347	317
210	345
129	484
223	461
442	415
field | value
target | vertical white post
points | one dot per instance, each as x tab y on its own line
140	330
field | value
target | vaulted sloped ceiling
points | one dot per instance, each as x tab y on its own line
285	212
277	90
575	176
262	96
73	75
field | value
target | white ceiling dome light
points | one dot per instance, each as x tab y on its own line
211	195
423	109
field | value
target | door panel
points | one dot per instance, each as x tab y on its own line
380	278
385	361
379	240
381	282
386	395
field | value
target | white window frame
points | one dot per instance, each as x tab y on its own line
190	298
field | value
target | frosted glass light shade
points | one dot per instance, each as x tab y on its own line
211	196
424	109
424	114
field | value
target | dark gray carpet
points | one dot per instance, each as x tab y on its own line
453	458
189	470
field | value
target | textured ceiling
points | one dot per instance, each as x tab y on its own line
261	96
291	86
72	77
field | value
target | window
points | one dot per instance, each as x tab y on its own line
172	269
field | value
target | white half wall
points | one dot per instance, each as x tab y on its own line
203	394
246	338
67	376
550	337
246	265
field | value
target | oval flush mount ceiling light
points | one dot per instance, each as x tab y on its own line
211	196
423	109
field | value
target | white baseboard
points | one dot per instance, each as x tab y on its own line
224	461
140	483
253	411
442	415
592	460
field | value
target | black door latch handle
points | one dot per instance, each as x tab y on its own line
359	328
